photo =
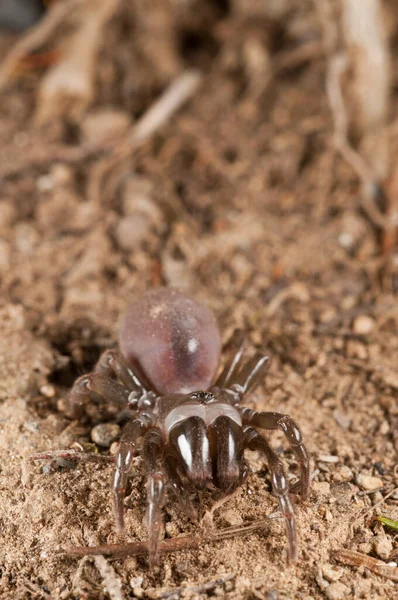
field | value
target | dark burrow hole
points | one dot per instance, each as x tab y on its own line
197	49
79	348
67	373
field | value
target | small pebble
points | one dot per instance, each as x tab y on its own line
383	546
172	529
328	458
345	473
365	548
368	482
341	419
337	591
363	325
137	198
113	450
47	390
105	433
377	498
331	573
138	592
103	124
32	426
384	429
231	517
136	582
132	231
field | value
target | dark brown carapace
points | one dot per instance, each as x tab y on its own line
187	422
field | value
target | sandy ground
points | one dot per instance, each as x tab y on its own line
241	201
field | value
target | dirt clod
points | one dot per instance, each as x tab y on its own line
105	433
337	591
368	482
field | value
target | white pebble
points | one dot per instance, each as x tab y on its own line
368	482
105	433
331	573
363	325
382	546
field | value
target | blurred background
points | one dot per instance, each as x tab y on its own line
242	151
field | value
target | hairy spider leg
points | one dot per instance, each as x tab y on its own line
132	432
280	486
274	420
153	450
94	383
251	374
102	382
112	362
233	350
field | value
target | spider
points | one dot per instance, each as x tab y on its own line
187	423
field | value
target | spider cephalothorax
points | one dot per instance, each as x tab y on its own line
191	423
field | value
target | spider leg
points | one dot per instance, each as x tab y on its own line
233	349
132	432
108	389
273	420
255	441
251	374
113	363
153	450
176	484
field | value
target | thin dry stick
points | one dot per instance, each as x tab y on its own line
37	35
72	455
183	88
356	559
117	551
172	99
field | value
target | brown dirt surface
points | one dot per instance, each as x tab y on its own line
241	201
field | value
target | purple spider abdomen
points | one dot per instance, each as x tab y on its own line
173	340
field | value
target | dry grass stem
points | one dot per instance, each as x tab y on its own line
357	559
117	551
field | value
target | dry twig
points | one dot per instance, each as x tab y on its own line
172	99
72	455
117	551
357	559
